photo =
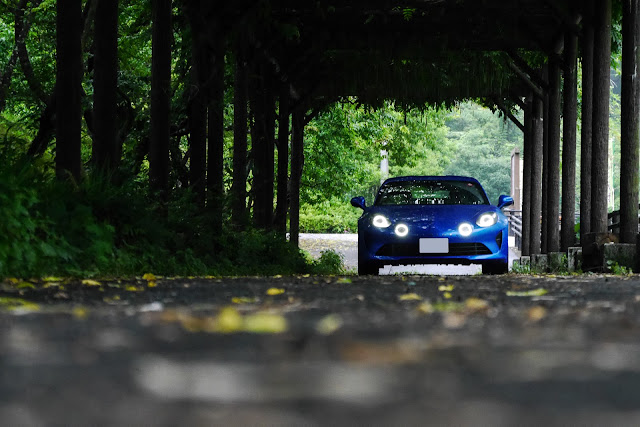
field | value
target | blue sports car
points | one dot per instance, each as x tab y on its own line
432	220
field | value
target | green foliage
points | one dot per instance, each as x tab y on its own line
484	144
617	269
98	228
343	153
521	268
329	216
330	262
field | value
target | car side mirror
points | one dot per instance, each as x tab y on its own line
358	202
504	201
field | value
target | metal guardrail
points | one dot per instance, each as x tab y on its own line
515	226
613	221
515	223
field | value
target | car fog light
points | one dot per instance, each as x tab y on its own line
380	221
402	230
465	229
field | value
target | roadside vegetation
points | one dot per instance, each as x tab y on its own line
113	224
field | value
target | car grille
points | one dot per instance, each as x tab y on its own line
412	249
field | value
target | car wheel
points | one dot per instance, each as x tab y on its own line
495	268
367	269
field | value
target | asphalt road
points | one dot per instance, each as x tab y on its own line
391	350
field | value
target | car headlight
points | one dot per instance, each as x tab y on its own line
401	230
487	219
465	229
380	221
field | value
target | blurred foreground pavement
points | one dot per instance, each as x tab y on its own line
392	350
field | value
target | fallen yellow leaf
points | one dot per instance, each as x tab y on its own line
18	304
443	288
476	304
80	312
275	291
265	323
149	277
537	313
532	293
228	321
243	300
447	295
329	324
89	282
152	284
25	285
51	285
425	308
409	297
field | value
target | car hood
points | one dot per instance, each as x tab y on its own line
449	216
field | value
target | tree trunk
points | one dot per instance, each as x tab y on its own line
198	109
105	85
526	178
586	129
630	125
215	177
270	128
283	160
553	178
21	29
601	87
297	157
262	108
545	167
23	55
239	185
160	96
570	115
536	175
68	87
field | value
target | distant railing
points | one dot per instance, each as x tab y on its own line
613	221
515	226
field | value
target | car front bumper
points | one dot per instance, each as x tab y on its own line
381	247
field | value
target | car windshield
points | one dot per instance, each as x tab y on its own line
431	193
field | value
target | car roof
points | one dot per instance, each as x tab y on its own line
430	178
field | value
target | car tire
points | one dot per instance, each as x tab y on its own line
495	268
367	269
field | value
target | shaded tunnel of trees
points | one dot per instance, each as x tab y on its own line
281	62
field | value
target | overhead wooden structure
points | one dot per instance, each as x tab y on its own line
415	51
508	53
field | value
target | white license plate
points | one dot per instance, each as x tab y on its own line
434	246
